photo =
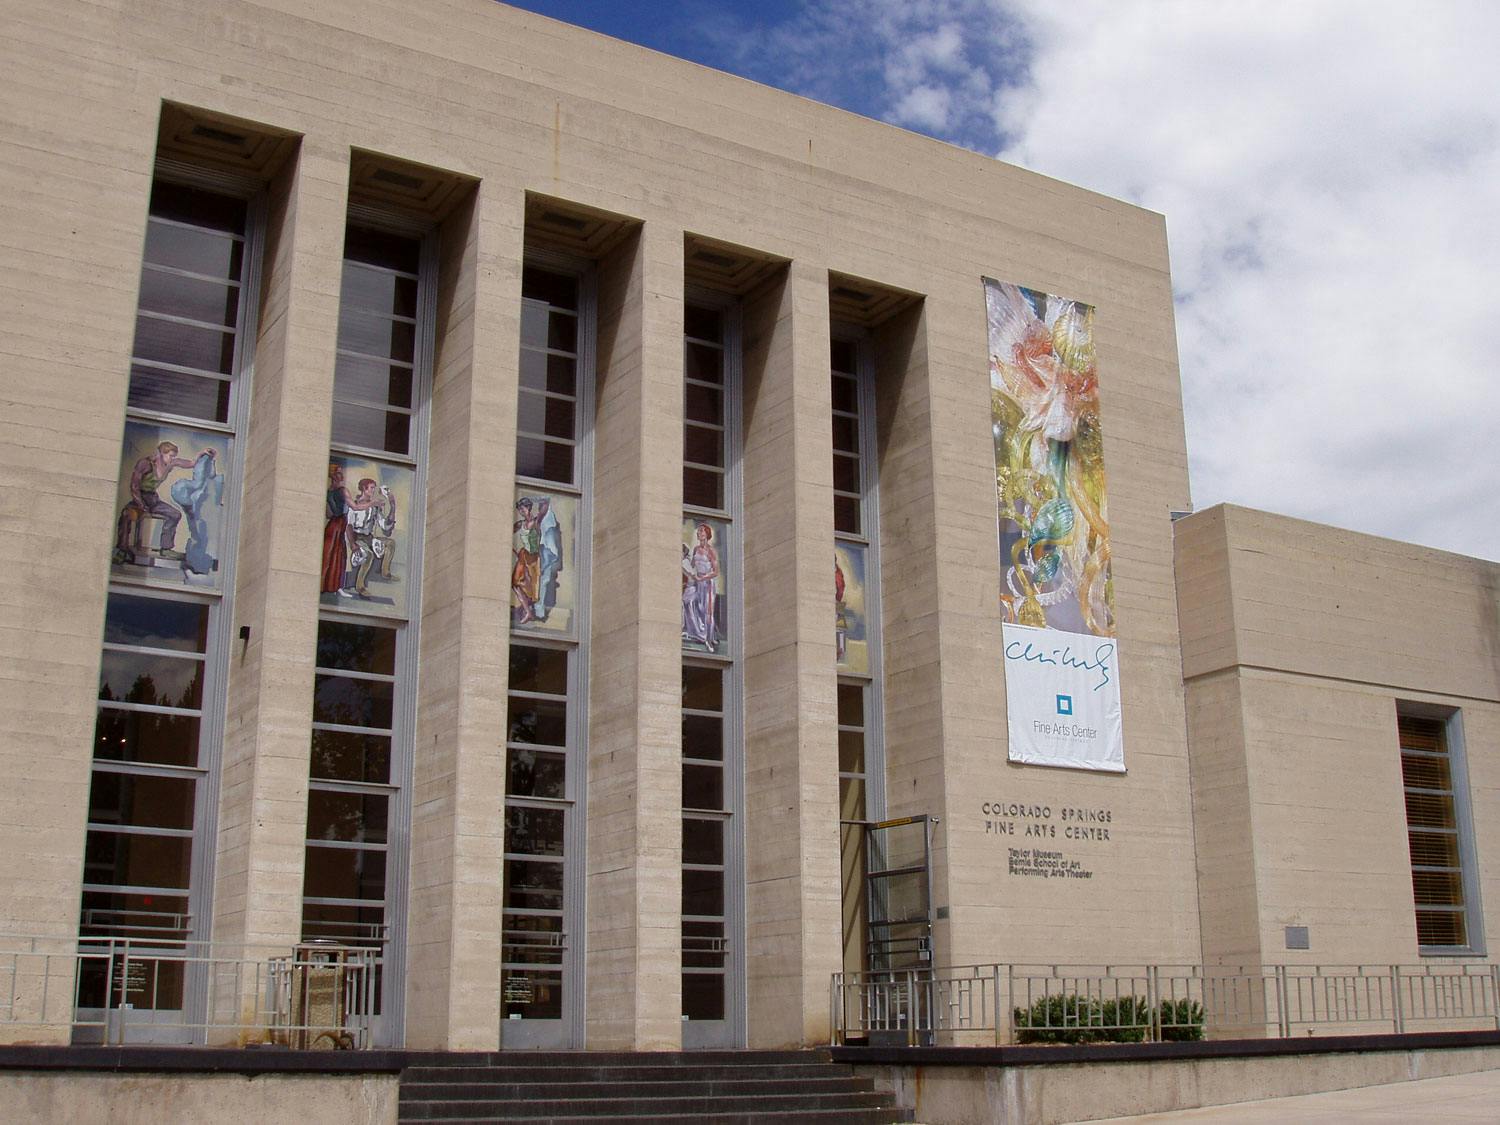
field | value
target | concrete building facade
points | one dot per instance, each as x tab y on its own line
421	544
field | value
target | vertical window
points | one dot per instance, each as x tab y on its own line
856	596
712	761
1438	834
358	810
542	915
152	802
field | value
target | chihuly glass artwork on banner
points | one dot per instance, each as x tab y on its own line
543	576
850	637
1062	676
704	548
366	536
1049	462
169	510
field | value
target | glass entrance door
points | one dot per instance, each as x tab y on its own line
898	881
541	993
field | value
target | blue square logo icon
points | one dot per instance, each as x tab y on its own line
1064	704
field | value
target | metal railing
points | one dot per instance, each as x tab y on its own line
134	990
1012	1003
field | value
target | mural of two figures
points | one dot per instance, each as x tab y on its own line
543	582
365	533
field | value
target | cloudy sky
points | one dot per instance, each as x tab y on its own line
1330	173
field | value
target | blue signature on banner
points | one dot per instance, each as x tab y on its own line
1027	651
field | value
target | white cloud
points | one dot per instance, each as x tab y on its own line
1330	173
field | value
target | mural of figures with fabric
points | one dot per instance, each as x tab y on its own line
543	571
851	639
366	536
704	543
170	505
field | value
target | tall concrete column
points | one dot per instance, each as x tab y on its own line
263	790
634	893
793	942
458	786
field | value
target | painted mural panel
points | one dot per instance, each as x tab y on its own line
851	635
366	536
704	617
1056	588
543	558
169	522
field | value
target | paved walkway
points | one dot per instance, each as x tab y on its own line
1464	1097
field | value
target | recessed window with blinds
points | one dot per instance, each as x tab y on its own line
1438	834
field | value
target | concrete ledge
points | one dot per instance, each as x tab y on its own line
1042	1085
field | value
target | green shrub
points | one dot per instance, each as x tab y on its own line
1082	1019
1181	1021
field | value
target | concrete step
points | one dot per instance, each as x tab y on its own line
627	1085
683	1104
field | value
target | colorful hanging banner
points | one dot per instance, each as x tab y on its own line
1056	594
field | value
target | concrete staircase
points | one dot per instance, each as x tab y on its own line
722	1087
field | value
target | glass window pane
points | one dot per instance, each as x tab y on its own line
113	914
533	831
378	291
703	446
543	722
846	515
344	756
702	787
538	669
533	369
199	206
1441	928
356	648
845	434
703	737
845	395
705	404
703	893
186	345
560	412
1438	888
532	885
380	248
703	488
545	460
142	736
559	289
704	363
535	773
373	380
702	688
1434	849
851	751
703	996
194	298
851	705
703	944
156	623
702	841
1429	810
350	817
562	374
137	861
343	873
841	355
352	703
351	925
851	798
175	392
532	994
194	250
845	473
562	331
137	677
371	428
531	412
533	325
141	800
372	335
1425	773
703	323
